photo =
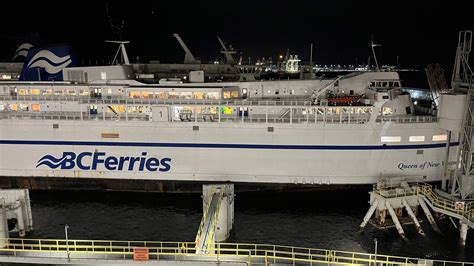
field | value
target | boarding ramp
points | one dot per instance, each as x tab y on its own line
218	217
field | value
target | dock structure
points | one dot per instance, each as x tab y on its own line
394	198
15	212
455	199
100	252
218	216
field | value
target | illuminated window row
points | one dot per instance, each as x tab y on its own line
390	139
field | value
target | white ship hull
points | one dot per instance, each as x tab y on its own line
234	152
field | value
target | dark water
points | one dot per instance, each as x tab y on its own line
327	220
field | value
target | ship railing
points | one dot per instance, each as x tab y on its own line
407	119
460	208
195	118
43	98
86	99
101	250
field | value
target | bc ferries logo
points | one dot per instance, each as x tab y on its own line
49	61
22	51
92	161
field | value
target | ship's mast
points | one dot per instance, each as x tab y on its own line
462	82
228	52
122	51
373	45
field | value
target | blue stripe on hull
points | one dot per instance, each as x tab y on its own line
228	146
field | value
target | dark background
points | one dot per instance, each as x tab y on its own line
419	32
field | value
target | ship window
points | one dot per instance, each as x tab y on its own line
213	95
71	92
277	91
385	97
173	95
34	91
199	95
109	91
103	75
21	92
116	109
372	84
2	107
387	111
36	107
417	138
83	92
147	94
186	95
292	92
47	91
160	94
13	107
226	110
231	94
440	137
134	94
390	139
24	107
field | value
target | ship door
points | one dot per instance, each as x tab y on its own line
96	93
243	111
244	93
93	109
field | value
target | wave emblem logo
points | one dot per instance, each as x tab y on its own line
22	51
53	162
52	63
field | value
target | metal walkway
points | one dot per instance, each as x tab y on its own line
58	251
464	211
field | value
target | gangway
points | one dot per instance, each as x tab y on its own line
218	217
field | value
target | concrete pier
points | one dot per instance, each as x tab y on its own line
218	216
15	206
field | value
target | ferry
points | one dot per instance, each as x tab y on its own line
100	127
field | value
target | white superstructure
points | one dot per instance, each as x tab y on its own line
349	130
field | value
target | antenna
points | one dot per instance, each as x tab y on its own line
227	52
373	51
122	50
117	29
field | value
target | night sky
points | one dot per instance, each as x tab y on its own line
419	32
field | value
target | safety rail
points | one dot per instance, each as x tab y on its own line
407	119
196	118
124	100
255	254
460	208
464	209
212	206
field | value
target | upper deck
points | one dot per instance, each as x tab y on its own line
197	111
